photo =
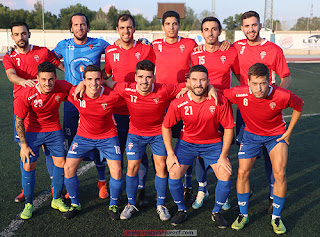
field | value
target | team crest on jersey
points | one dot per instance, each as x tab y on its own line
272	105
263	54
212	108
36	57
160	47
130	145
81	68
156	100
182	47
74	146
57	98
90	46
138	55
104	106
223	59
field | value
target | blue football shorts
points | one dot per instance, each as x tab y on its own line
136	146
251	144
81	147
53	142
186	152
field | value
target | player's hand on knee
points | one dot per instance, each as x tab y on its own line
285	137
171	160
224	163
25	153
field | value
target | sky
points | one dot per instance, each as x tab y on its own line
287	11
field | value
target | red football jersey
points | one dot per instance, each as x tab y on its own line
122	64
147	112
96	115
218	64
173	60
39	111
263	116
26	65
267	53
201	120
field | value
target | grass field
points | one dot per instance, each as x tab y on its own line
300	215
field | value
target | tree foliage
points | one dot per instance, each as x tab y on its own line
306	23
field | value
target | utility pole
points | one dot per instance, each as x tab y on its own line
268	14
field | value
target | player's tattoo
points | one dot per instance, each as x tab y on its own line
20	130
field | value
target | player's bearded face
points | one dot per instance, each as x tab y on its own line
259	86
126	30
92	81
47	81
20	36
251	28
210	32
171	27
79	27
198	83
144	80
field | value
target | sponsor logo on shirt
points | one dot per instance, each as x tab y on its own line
263	54
70	47
104	106
182	47
129	89
138	55
110	50
57	98
36	57
212	108
156	100
223	59
81	68
182	104
241	95
272	105
31	97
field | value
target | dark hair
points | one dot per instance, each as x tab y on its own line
79	14
145	65
249	14
198	68
170	14
125	17
19	23
47	67
211	18
91	68
259	70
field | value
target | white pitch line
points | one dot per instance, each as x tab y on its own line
303	115
304	70
38	201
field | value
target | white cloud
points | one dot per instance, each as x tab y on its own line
107	7
30	3
9	3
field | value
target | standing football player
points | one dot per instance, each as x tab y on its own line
79	52
21	68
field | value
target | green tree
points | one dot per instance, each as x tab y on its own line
305	23
155	24
232	23
100	21
112	16
141	22
190	21
5	17
66	13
